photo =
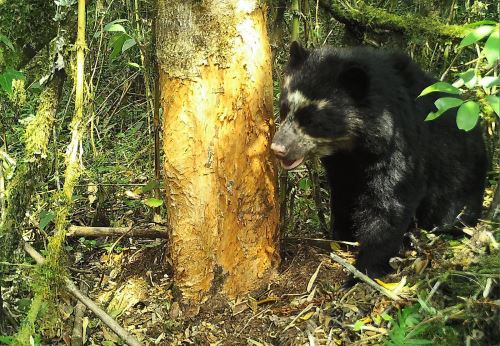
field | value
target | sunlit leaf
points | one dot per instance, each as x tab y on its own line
134	64
128	44
115	27
443	104
307	316
389	285
469	77
489	81
479	23
441	87
467	115
357	325
153	202
494	102
386	317
491	48
476	35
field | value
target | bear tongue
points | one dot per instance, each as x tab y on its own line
291	164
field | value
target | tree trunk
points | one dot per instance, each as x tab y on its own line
216	92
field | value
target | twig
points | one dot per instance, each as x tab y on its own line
363	277
101	314
291	324
83	231
77	335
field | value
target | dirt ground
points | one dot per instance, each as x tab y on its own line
303	305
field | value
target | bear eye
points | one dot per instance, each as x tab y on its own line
305	115
284	109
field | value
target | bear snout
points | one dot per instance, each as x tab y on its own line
279	149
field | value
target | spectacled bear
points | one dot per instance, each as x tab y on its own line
359	110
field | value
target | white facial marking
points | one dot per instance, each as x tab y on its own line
297	100
286	82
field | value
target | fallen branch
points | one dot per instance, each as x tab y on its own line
359	275
83	231
101	314
370	17
77	334
324	244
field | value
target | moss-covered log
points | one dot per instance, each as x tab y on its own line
370	17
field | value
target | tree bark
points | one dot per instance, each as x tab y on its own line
216	92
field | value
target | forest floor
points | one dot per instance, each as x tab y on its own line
447	285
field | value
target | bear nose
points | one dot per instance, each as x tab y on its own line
278	149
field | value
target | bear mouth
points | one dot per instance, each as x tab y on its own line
291	164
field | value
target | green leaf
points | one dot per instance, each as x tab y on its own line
6	78
128	44
489	81
491	48
153	202
481	22
135	65
443	104
116	42
304	184
441	87
386	317
4	39
467	115
114	26
469	77
45	218
153	184
357	325
7	340
476	35
494	102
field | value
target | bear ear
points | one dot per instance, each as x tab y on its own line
298	54
355	80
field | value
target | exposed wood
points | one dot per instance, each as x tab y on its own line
370	17
101	314
83	231
359	275
216	92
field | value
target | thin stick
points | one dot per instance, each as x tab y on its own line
100	313
77	335
361	276
83	231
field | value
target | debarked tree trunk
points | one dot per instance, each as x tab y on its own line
216	94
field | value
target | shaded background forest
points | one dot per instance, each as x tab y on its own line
119	186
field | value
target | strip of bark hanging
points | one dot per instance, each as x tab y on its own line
359	275
83	231
371	17
100	313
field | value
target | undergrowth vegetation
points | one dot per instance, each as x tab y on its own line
450	283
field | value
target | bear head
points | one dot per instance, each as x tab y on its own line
321	97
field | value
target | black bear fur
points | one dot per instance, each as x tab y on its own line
359	110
